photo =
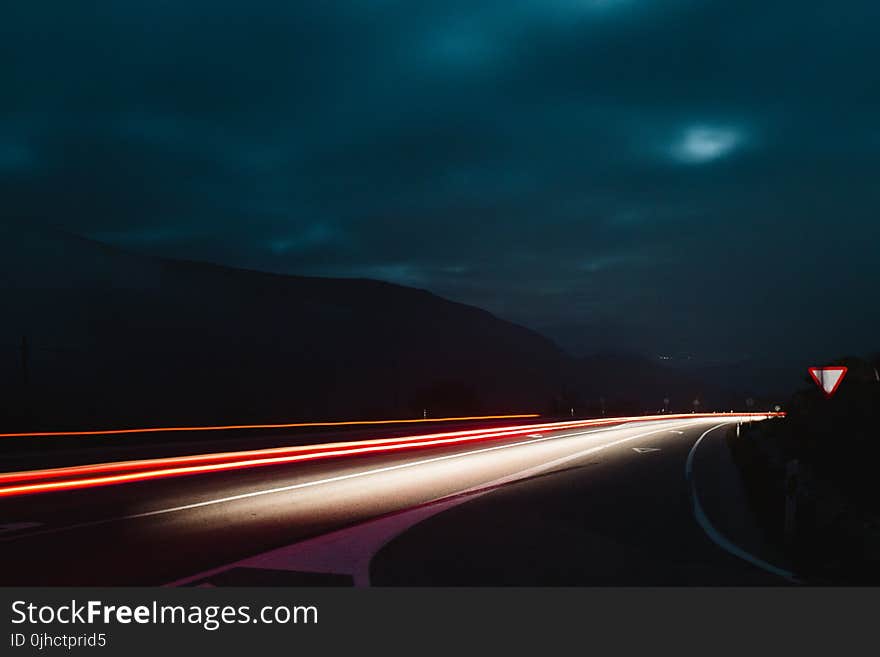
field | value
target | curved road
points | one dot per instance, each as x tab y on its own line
572	506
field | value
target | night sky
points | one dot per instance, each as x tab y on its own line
669	177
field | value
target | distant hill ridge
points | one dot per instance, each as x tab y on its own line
120	339
130	338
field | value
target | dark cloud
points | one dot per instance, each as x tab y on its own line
651	175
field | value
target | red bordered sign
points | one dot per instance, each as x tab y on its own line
828	378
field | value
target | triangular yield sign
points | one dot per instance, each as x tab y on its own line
828	378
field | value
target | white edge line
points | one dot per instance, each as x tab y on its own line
716	536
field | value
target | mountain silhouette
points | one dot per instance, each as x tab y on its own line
112	337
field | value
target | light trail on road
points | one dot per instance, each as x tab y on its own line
246	427
104	474
109	534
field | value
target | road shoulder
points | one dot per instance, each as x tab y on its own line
722	498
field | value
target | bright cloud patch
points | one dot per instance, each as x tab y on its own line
700	144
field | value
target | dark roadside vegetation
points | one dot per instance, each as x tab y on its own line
812	478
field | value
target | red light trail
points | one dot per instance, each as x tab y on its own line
231	427
103	474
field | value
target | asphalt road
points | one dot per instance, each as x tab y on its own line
606	505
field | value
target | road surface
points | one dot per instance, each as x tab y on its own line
615	504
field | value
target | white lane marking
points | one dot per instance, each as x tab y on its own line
17	526
717	537
307	484
281	489
645	450
350	550
549	465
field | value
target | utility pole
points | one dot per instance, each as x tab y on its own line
25	363
25	379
